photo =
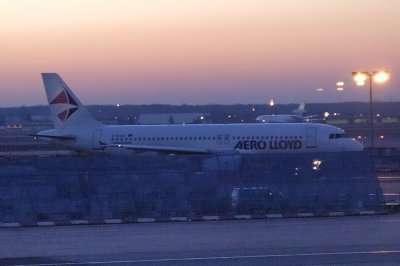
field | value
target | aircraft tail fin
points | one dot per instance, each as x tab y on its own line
66	109
300	111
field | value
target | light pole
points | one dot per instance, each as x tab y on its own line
360	78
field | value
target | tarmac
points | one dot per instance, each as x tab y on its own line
360	240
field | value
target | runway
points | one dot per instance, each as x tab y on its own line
361	240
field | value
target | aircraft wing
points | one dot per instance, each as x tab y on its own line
312	118
297	118
160	149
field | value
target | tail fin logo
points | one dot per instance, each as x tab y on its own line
65	98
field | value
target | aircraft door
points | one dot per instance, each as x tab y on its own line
219	139
311	137
223	139
96	137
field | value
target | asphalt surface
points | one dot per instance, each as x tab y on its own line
362	240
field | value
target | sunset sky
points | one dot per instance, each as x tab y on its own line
198	52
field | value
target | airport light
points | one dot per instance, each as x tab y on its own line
381	76
339	86
271	103
360	79
316	164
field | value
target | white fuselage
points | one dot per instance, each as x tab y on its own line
279	119
76	129
243	138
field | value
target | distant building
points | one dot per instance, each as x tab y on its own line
173	118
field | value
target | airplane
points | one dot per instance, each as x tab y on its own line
296	117
75	128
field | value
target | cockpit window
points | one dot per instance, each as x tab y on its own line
338	136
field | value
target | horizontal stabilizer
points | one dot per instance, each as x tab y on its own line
63	138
